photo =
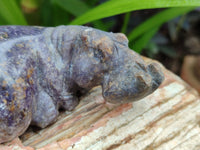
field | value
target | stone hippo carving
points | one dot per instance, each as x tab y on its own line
44	69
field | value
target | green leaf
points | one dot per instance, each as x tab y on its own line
2	21
103	25
75	7
145	31
114	7
60	16
158	20
46	12
125	23
11	13
142	42
91	2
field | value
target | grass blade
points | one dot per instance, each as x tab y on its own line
75	7
11	13
125	23
143	40
114	7
157	20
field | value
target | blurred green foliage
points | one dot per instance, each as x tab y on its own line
94	13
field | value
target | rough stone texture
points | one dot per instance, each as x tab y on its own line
43	70
165	120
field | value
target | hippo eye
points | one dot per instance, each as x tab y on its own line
98	53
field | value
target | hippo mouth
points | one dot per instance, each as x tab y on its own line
131	84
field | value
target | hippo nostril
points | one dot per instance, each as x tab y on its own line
141	80
156	73
144	79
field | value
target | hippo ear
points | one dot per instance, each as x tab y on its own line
86	36
102	52
85	39
121	38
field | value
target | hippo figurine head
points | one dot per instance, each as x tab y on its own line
44	69
106	60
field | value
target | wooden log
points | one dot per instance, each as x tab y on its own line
167	119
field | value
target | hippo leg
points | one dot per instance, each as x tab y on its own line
11	124
45	111
69	102
15	109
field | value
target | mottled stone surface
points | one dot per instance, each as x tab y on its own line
44	69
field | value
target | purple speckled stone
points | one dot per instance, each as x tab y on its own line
44	69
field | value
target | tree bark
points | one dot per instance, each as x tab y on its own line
167	119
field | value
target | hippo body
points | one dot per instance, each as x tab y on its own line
44	69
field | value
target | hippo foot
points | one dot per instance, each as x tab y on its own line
69	102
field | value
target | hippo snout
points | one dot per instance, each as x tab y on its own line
132	82
157	75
